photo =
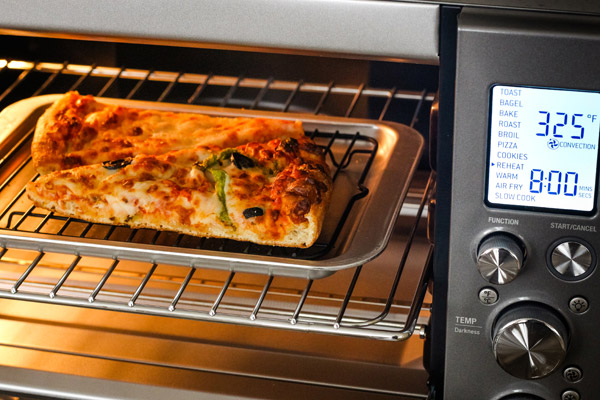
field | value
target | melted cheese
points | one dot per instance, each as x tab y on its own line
179	191
78	130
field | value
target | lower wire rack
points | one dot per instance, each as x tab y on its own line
228	297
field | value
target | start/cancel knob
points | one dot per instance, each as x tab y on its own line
499	258
571	259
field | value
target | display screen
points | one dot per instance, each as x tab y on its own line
543	148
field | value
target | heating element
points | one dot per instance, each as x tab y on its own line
347	303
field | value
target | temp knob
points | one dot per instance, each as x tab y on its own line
499	259
530	341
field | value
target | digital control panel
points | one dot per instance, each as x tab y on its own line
543	148
523	208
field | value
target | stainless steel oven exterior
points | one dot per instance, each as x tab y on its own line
520	49
111	349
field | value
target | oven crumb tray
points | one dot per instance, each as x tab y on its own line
372	164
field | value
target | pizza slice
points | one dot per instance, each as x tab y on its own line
272	193
79	130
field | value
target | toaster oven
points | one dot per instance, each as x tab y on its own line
458	258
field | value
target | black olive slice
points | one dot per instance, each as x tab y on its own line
117	164
253	212
241	161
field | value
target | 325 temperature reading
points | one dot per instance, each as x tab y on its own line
561	120
555	182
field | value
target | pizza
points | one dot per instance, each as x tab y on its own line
80	130
274	192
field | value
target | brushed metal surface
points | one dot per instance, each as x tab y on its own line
571	259
353	27
499	259
529	348
72	353
495	47
565	6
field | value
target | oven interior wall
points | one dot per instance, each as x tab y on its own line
297	68
208	357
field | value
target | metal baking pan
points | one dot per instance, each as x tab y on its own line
372	163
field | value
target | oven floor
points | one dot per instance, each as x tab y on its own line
49	350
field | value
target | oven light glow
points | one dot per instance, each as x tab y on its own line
543	148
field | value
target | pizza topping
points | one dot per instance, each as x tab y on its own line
71	161
220	177
214	159
117	164
312	148
306	188
275	214
88	133
289	145
301	208
298	188
253	212
241	161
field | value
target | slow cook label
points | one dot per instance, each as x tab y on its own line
543	149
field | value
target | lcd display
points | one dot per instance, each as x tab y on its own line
543	148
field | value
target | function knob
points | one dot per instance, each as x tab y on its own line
499	259
530	341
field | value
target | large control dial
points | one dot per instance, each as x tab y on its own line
530	341
499	259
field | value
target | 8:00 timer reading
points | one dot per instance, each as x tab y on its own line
543	148
555	185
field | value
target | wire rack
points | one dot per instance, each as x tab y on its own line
367	301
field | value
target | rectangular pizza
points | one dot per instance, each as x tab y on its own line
257	180
80	130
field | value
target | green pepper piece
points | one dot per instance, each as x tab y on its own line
220	177
214	159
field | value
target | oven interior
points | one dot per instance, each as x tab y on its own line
71	323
